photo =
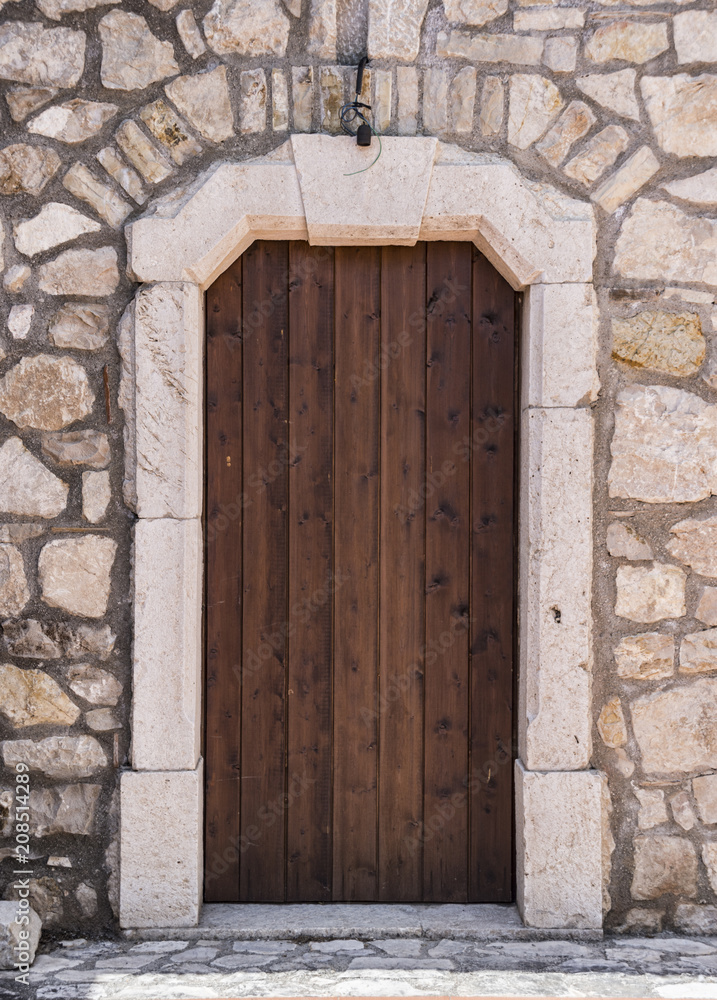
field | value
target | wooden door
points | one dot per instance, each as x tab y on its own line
359	575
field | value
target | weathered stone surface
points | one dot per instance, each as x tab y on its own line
709	857
109	205
279	101
615	91
86	447
475	12
54	224
683	113
623	542
80	272
705	792
65	758
627	181
650	593
32	698
700	188
611	724
86	898
599	154
383	91
695	920
491	109
653	810
19	320
46	899
560	53
462	100
72	122
574	123
394	30
662	865
534	104
204	101
93	684
26	485
695	36
132	57
14	593
169	130
22	101
520	49
18	533
16	937
682	811
630	41
83	326
103	720
659	242
662	341
127	178
551	19
80	641
435	101
322	29
252	90
64	809
331	85
303	96
46	57
190	34
665	446
46	393
15	277
143	154
698	652
26	168
47	641
707	608
75	574
695	544
646	657
247	28
677	729
96	495
54	9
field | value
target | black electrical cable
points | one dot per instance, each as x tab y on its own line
353	119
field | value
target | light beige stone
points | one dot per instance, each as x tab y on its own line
45	393
252	115
96	495
62	758
599	154
695	36
611	724
80	272
279	101
22	101
127	178
143	154
14	592
86	447
55	9
45	57
534	104
631	41
190	34
660	242
18	533
16	936
704	789
474	12
650	593
560	53
322	29
103	720
75	574
664	865
72	122
394	30
520	49
407	85
623	542
383	90
204	101
652	811
677	729
32	698
662	341
165	126
707	608
27	487
26	169
615	91
83	326
132	57
463	96
92	684
623	763
303	96
665	446
435	101
15	277
683	113
700	188
646	657
54	224
332	97
682	811
491	111
247	28
695	920
64	809
709	857
549	19
695	544
628	180
698	652
559	352
19	320
574	123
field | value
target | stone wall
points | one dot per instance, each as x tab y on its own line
108	106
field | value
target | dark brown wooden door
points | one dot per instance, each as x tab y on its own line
359	575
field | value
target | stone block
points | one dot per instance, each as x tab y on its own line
658	242
394	30
634	173
18	939
664	865
623	542
75	574
661	341
650	593
695	544
698	652
705	792
646	657
676	729
204	101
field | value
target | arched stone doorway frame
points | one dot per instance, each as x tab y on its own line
543	243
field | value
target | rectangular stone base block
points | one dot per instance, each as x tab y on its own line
161	848
560	826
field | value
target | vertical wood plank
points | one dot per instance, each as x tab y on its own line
311	325
401	626
448	517
492	584
223	586
357	303
264	633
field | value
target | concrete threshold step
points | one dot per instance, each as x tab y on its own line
365	921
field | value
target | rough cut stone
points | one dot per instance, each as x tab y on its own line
698	652
14	593
46	899
72	122
700	188
96	495
86	447
627	181
15	277
103	720
204	101
474	12
650	593
662	341
627	40
64	809
435	101
574	123
695	36
63	758
653	810
615	91
46	57
109	205
45	393
623	542
93	684
646	657
86	898
322	29
279	101
54	9
534	104
676	730
18	533
169	130
81	641
127	178
659	242
26	169
332	97
32	698
694	920
551	19
19	320
394	30
561	53
132	57
75	574
664	864
83	326
303	96
190	34
463	96
665	446
252	90
683	113
81	272
707	608
22	101
54	224
611	724
520	49
143	154
10	934
682	811
491	111
709	857
599	154
705	792
696	544
33	639
26	485
247	28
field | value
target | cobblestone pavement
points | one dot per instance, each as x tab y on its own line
667	967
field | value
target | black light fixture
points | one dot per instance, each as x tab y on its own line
353	120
